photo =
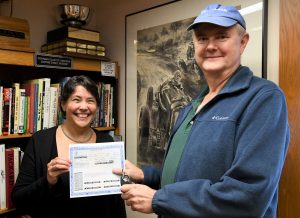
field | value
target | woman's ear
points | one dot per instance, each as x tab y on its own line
63	106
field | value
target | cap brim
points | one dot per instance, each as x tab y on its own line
220	21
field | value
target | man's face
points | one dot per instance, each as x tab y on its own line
218	49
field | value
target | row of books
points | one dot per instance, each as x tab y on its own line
28	107
10	160
34	105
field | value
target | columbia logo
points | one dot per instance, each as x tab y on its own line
219	118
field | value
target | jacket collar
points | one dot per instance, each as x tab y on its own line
240	80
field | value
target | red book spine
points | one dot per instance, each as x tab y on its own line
10	177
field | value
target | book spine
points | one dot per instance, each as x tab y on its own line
36	105
12	110
26	115
16	107
9	110
29	89
46	103
112	121
39	83
17	151
53	107
1	108
2	177
6	107
9	171
21	127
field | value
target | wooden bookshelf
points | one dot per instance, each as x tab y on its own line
17	64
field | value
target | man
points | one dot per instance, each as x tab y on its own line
228	146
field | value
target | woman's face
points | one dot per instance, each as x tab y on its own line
80	107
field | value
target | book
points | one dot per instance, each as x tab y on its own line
73	32
1	108
53	106
38	103
30	93
2	177
15	110
17	153
9	175
12	110
21	119
6	111
46	103
26	114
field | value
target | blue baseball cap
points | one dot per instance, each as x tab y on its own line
225	16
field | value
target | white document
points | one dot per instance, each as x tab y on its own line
91	169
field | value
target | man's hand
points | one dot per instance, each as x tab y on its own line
138	197
135	173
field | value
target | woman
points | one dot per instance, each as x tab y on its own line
42	187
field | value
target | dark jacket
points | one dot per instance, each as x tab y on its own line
32	195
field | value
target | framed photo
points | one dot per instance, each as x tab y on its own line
161	74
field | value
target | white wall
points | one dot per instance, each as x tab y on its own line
273	41
111	23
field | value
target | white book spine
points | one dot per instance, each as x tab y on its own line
46	103
2	177
16	162
22	111
53	107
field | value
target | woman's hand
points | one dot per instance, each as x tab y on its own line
56	167
135	173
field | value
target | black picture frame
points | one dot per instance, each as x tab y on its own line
255	55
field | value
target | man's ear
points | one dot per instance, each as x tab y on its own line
244	42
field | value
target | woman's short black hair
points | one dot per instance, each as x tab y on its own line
71	85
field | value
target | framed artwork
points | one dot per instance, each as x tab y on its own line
161	74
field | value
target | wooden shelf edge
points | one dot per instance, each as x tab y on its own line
3	211
28	135
25	57
14	136
17	57
111	128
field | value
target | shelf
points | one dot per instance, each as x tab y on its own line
25	57
17	56
3	211
17	136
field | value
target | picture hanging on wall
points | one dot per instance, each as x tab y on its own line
161	74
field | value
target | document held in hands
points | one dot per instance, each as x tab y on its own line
91	169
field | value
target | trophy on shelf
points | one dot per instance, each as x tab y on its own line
74	15
72	39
